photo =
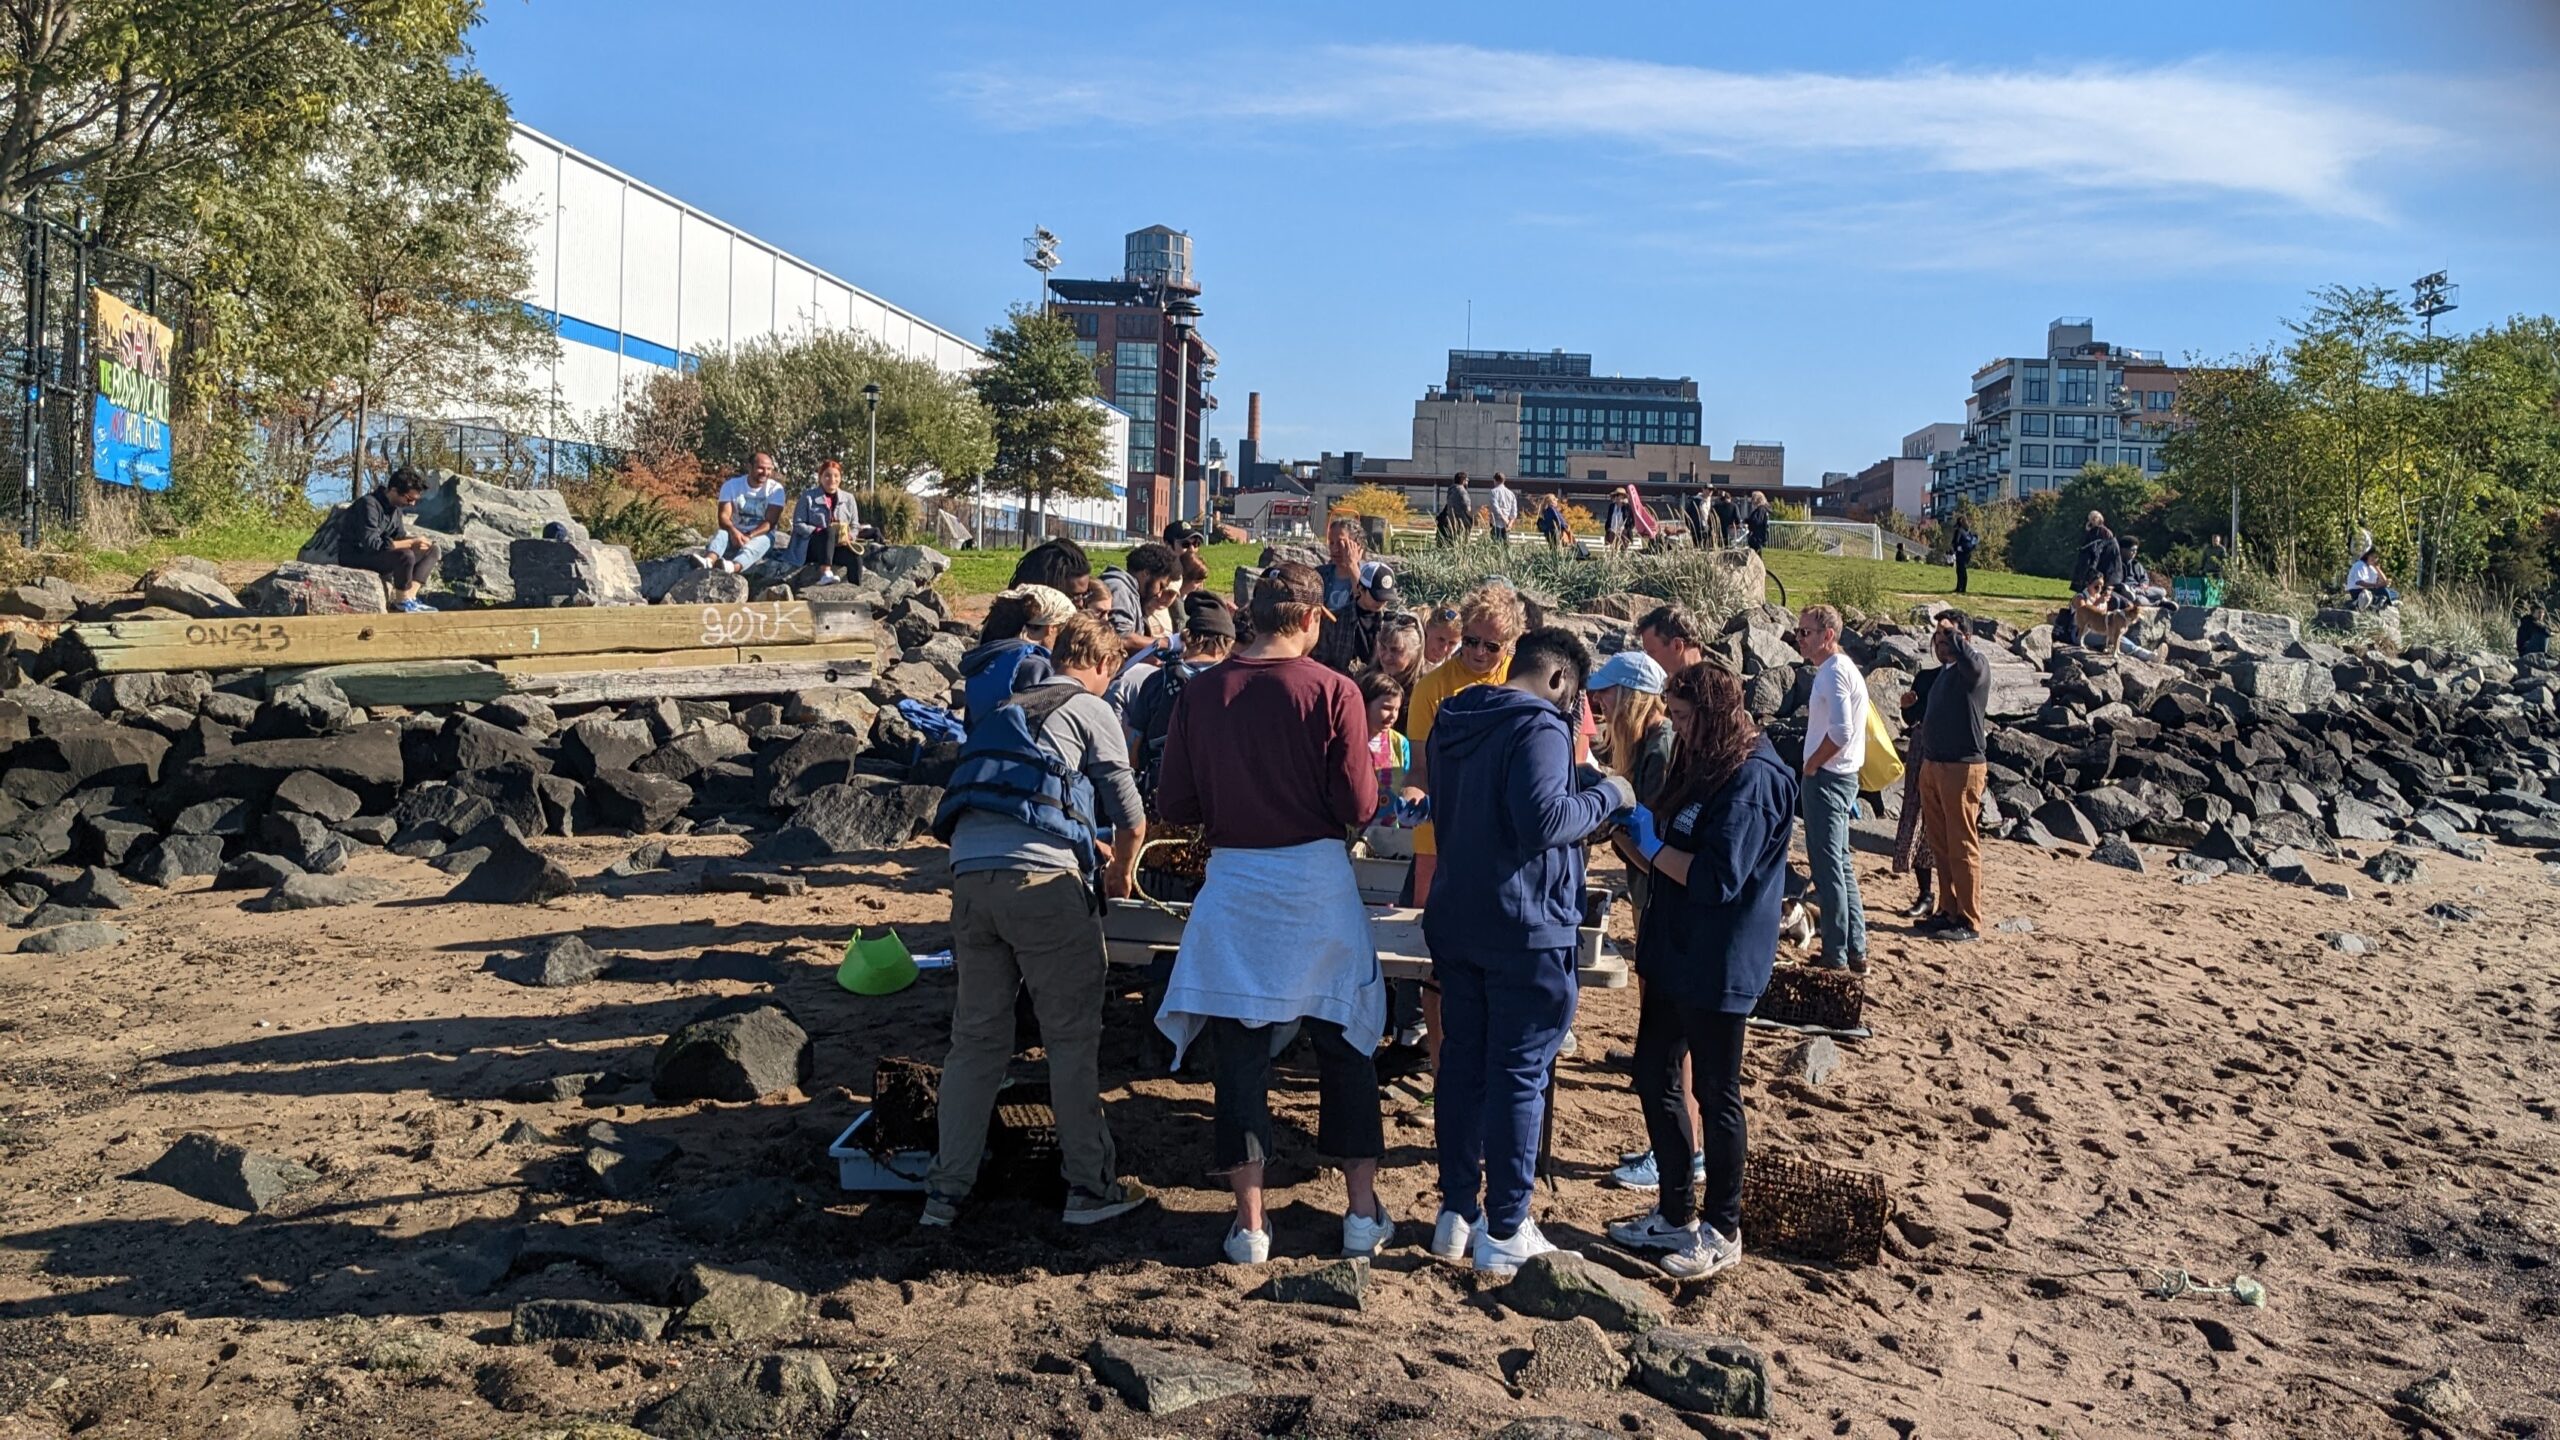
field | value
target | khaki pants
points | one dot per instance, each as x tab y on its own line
1950	813
1012	930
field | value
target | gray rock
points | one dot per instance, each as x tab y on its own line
317	796
588	1320
853	819
524	714
512	874
71	939
2117	851
1561	1284
620	1166
49	914
742	1055
1342	1284
1702	1374
2441	1396
319	892
2394	866
1162	1380
2353	819
1571	1356
2446	912
599	743
310	845
255	871
95	888
733	1305
172	858
2249	631
552	962
219	1172
439	810
179	584
698	586
1550	1427
367	829
459	505
48	600
2111	810
766	1396
365	759
638	803
2066	823
225	816
646	856
1817	1060
2347	942
468	743
302	587
721	879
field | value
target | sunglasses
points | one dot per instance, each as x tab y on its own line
1490	647
1399	620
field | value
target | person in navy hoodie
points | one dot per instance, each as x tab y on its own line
1716	843
1501	921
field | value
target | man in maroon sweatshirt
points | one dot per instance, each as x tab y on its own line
1268	753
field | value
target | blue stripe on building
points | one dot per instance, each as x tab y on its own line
587	332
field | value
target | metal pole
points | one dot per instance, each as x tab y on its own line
30	395
1181	416
871	454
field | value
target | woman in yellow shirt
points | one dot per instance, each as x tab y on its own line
1490	619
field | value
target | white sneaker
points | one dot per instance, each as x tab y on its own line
1362	1235
1652	1232
1248	1247
1708	1253
1452	1238
1501	1257
1640	1173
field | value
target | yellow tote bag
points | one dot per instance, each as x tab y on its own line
1883	763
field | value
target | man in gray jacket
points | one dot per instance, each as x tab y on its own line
1023	917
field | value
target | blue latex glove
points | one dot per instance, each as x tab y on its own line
1640	829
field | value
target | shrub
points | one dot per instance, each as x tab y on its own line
1698	579
1578	520
1854	590
892	511
644	523
2460	617
1375	500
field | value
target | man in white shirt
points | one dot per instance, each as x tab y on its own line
1506	508
1835	750
750	513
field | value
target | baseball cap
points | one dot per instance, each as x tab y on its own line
1379	580
1628	669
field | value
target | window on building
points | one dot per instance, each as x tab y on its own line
2075	427
2159	399
1088	349
2106	427
1142	459
1657	477
1138	323
2036	423
2032	455
2072	457
2031	386
2159	462
2106	454
1716	479
1139	355
1600	475
1088	324
2079	385
2132	455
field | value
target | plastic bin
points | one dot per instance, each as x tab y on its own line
902	1172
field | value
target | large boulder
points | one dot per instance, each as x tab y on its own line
365	760
221	1173
460	505
495	571
844	819
1161	1379
512	874
918	564
732	1055
301	587
1702	1374
636	802
1562	1284
2251	632
190	587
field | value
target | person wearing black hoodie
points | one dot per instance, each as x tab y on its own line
1502	921
1716	843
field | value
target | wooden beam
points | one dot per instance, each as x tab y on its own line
703	682
408	683
124	645
854	651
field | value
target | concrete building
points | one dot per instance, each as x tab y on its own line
1752	465
1561	408
2032	422
1895	485
1142	333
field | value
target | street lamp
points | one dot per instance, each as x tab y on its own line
871	454
1040	252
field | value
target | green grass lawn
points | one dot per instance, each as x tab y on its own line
984	572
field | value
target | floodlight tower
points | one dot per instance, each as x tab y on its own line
1040	252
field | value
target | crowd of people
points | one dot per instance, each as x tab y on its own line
1108	711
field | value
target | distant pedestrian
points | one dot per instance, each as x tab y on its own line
1727	516
1951	778
1619	527
2100	557
1835	749
1755	522
1551	523
1693	515
2533	631
1962	546
1716	844
1457	518
1505	506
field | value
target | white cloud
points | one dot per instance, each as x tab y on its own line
2201	130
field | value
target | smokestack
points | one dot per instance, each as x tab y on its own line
1253	418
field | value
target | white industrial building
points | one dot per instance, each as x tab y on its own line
635	280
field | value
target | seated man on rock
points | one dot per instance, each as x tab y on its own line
374	535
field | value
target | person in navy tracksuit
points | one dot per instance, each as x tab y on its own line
1502	921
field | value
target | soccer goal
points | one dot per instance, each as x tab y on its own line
1854	539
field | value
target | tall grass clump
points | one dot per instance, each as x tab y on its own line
1708	584
2459	618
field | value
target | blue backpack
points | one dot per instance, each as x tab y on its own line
1008	767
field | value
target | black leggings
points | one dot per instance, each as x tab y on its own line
822	547
1667	1031
401	569
1349	1124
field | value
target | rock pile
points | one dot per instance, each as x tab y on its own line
156	778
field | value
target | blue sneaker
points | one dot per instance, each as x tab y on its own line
411	607
1640	1173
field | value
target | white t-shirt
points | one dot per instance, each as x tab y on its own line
1838	711
750	501
1506	506
2362	575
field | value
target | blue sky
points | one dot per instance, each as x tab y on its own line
1828	214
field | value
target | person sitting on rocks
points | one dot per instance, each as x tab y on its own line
750	518
2367	587
823	522
374	535
2101	614
2533	631
2138	586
